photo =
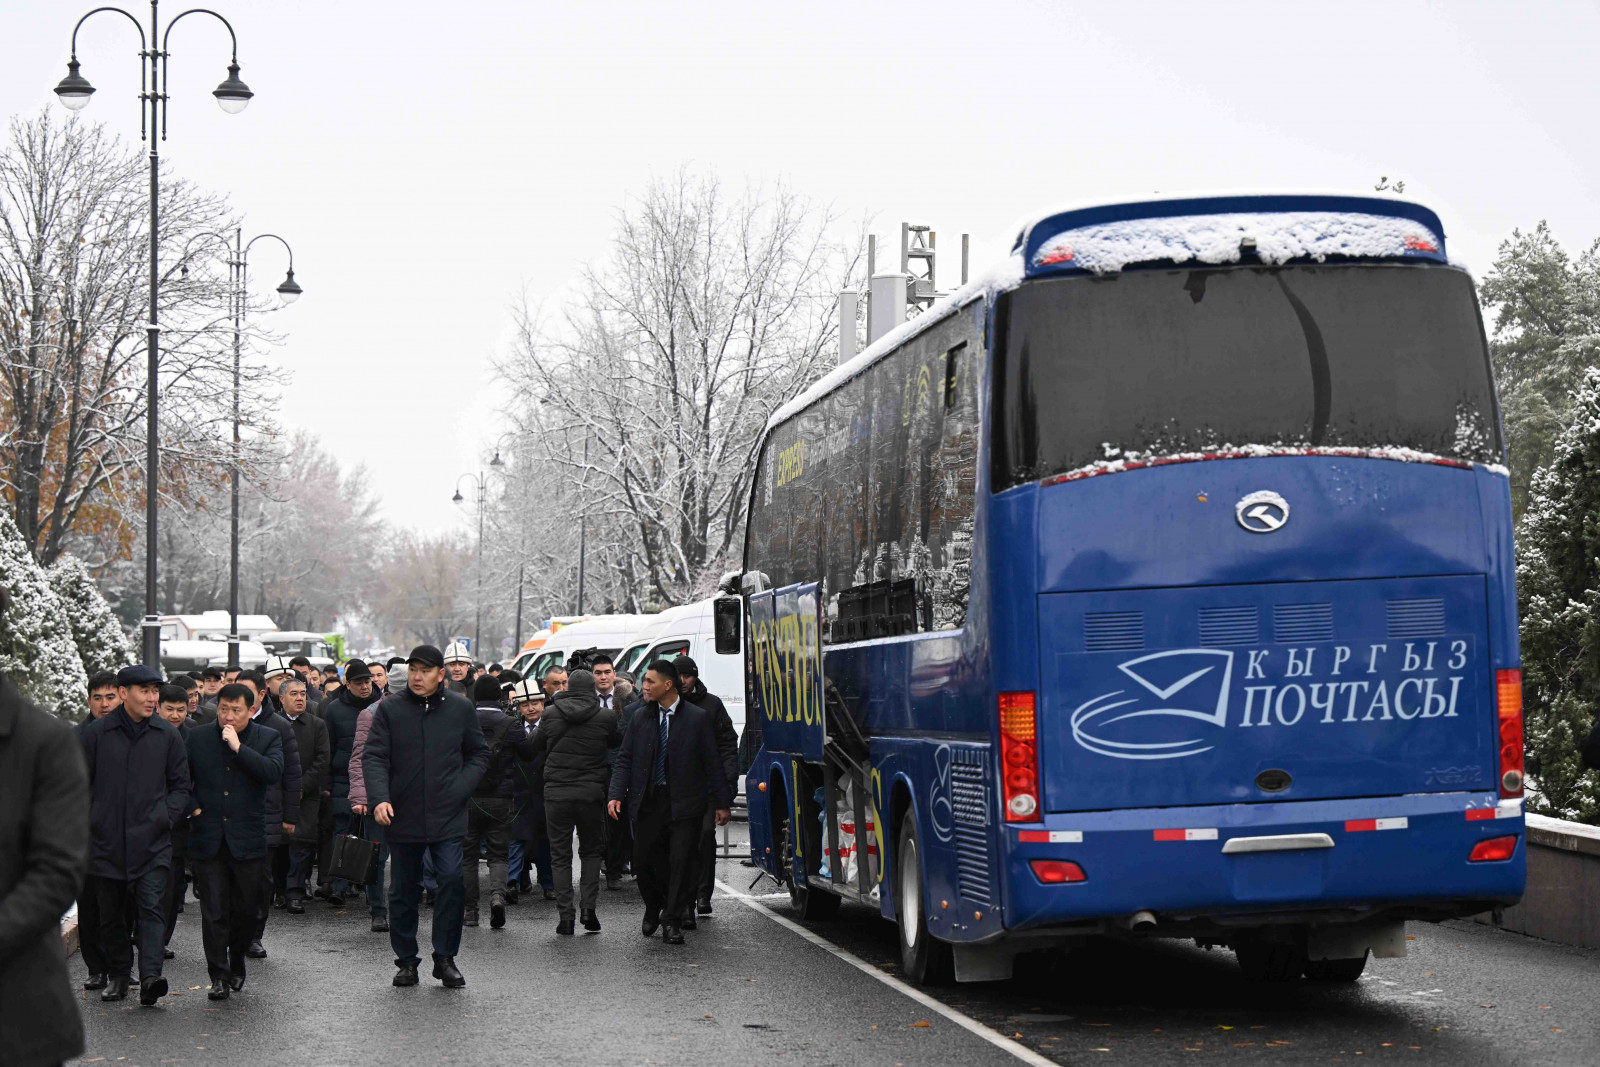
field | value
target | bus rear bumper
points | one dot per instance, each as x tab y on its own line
1207	870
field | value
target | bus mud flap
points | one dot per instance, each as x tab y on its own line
985	963
1386	940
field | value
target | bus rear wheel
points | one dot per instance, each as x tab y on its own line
1341	970
924	959
1261	960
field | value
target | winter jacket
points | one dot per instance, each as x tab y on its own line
138	791
311	738
424	756
506	738
283	800
576	732
341	714
721	727
44	849
231	789
695	772
358	749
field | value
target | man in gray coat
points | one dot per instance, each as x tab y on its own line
44	849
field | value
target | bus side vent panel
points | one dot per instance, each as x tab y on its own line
1230	626
1113	631
1416	618
1299	623
969	801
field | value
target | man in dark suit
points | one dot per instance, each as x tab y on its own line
669	773
174	708
138	791
44	848
283	805
311	738
235	762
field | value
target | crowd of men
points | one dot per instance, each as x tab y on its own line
268	790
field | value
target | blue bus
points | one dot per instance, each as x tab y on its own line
1158	585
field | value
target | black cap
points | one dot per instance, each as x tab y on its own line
487	690
686	665
426	655
139	674
357	670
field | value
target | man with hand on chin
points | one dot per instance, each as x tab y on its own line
422	758
234	762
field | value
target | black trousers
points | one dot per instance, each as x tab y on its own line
144	895
664	856
177	882
588	817
619	843
488	828
274	879
230	899
325	840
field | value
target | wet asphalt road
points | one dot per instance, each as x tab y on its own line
747	990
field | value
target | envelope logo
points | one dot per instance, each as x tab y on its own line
1176	690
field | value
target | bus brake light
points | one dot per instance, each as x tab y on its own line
1055	872
1508	699
1019	756
1495	848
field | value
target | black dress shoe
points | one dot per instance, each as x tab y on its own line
591	921
279	900
380	924
688	921
565	926
296	906
446	971
256	951
236	981
652	923
672	935
116	988
469	919
95	981
513	895
549	894
219	990
152	989
613	883
497	913
335	899
406	975
704	906
168	954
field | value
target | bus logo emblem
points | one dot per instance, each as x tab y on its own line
1262	512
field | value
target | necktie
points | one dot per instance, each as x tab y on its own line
661	752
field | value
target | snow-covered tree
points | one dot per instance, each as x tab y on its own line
37	651
102	645
1558	588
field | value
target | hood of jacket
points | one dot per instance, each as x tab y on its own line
578	703
359	703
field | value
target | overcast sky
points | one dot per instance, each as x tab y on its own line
429	161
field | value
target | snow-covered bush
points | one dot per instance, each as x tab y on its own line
1558	589
37	651
102	644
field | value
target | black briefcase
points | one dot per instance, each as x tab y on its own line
355	859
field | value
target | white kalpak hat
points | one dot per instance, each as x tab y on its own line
277	665
456	652
526	690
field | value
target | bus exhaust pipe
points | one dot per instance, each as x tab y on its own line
1142	922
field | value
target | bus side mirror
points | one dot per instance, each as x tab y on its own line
727	615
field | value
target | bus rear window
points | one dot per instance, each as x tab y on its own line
1161	362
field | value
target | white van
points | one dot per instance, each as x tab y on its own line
690	631
608	633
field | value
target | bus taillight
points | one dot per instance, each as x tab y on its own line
1019	756
1508	697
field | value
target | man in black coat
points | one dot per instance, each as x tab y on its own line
139	790
102	700
489	813
236	763
669	773
283	806
423	756
44	850
530	839
576	734
696	693
311	738
341	714
174	708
